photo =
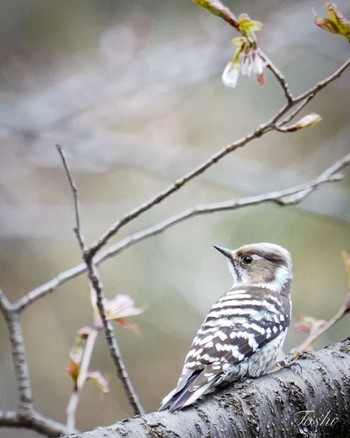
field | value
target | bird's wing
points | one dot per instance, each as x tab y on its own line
216	349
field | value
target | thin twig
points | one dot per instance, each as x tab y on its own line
112	341
290	196
314	336
322	84
84	367
97	286
263	129
77	229
286	119
280	78
49	287
220	10
35	421
180	182
308	95
322	327
299	192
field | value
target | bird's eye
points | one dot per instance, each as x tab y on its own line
247	260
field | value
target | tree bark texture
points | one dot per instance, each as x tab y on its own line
309	399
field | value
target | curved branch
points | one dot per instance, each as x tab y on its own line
306	97
180	182
289	196
263	129
322	84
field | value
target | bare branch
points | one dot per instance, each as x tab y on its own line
322	327
9	419
314	336
111	340
286	197
284	120
34	421
280	78
296	194
306	97
49	287
322	84
77	229
18	352
133	214
220	10
263	129
25	415
97	287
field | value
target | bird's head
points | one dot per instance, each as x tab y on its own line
261	264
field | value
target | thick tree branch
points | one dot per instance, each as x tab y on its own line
311	398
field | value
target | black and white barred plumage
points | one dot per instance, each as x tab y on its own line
244	330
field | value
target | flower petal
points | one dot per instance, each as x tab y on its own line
122	306
231	74
98	378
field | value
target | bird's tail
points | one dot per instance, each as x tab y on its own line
187	392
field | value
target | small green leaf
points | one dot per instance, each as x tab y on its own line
336	23
248	27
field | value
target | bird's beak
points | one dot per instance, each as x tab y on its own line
225	251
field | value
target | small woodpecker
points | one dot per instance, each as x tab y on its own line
244	330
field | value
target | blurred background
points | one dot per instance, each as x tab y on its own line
133	93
